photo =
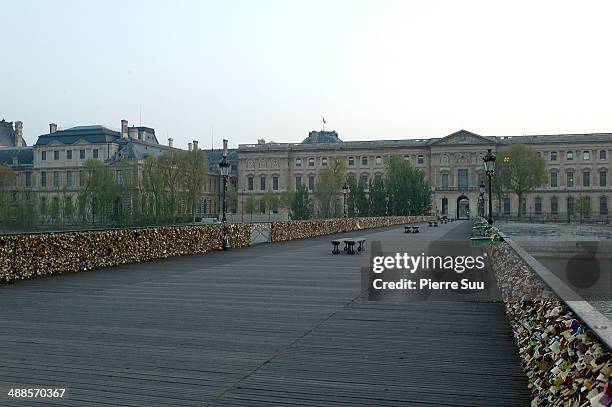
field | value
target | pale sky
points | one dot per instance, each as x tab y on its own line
272	69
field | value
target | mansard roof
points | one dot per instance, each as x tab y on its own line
92	134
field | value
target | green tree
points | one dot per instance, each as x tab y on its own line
357	199
299	206
232	198
270	202
378	204
583	206
194	175
249	205
521	170
7	182
286	198
99	196
408	191
328	187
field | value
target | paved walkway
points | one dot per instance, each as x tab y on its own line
274	324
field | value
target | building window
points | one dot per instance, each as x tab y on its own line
56	178
420	159
28	179
445	180
462	178
82	154
298	181
586	155
43	155
364	161
603	155
250	183
603	205
554	205
569	155
570	205
324	162
553	179
43	178
378	177
603	178
68	178
506	206
311	182
298	162
351	161
262	183
586	179
68	154
570	179
364	181
538	205
406	157
95	153
119	177
444	206
275	183
311	162
56	155
378	160
81	178
553	156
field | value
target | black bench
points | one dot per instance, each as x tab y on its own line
435	224
430	223
407	229
415	229
336	244
349	245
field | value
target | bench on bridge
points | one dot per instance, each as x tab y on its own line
407	229
349	245
435	224
430	223
415	229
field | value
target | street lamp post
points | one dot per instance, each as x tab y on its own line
489	164
481	189
387	206
224	169
345	189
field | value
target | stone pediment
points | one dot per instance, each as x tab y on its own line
463	137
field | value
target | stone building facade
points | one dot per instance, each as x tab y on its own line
576	164
53	167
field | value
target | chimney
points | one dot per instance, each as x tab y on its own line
224	148
195	144
261	141
189	148
52	128
124	128
170	141
133	133
18	134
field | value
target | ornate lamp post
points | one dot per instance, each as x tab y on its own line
345	189
224	169
489	164
482	199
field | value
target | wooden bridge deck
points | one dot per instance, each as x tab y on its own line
274	324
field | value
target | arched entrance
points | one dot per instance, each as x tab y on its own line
463	207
